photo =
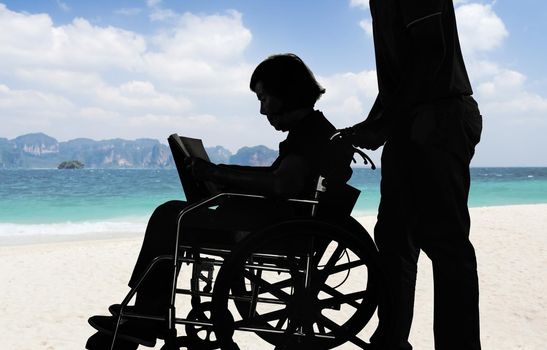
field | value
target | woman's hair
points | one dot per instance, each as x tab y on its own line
286	76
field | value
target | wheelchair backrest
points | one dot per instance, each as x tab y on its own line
334	200
335	196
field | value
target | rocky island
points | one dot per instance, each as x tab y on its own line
71	164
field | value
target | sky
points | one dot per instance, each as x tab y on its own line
132	69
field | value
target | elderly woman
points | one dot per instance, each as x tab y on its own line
287	91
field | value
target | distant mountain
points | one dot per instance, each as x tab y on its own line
39	150
42	151
218	154
118	153
255	156
37	144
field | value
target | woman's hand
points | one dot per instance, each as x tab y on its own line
201	169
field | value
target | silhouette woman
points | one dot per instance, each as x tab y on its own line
287	91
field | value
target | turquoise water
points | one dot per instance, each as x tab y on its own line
97	200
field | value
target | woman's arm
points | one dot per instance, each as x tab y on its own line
286	180
245	167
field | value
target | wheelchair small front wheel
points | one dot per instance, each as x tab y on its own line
200	337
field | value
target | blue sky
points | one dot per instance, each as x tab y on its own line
104	69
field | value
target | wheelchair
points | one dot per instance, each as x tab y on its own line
303	283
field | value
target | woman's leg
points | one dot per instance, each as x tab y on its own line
154	293
159	239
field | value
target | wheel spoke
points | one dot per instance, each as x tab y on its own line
339	299
334	257
277	285
266	286
339	332
343	267
282	284
281	321
329	324
318	256
320	328
339	296
321	275
264	318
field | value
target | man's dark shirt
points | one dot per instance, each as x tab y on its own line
391	19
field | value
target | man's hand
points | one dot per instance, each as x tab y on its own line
368	135
359	136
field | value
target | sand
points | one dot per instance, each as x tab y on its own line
49	290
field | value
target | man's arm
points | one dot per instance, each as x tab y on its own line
373	131
423	55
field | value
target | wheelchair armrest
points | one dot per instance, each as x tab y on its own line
213	199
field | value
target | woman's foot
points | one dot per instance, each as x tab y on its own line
101	341
132	330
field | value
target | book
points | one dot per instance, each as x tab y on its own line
183	147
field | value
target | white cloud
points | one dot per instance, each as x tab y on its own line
514	117
162	14
153	3
81	43
27	109
503	92
366	25
77	86
191	124
503	83
33	40
349	96
158	13
21	102
480	28
104	81
63	6
191	77
359	3
141	96
509	107
213	37
97	114
204	52
504	95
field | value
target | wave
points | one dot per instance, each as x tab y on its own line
114	226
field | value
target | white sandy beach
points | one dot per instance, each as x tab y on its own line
49	290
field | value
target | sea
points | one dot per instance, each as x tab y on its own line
51	202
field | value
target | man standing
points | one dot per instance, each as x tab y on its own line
430	124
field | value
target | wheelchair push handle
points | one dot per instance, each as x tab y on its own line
341	135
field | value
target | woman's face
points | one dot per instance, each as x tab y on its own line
270	106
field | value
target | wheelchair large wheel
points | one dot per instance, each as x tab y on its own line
299	284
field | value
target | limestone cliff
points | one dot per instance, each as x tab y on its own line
39	150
